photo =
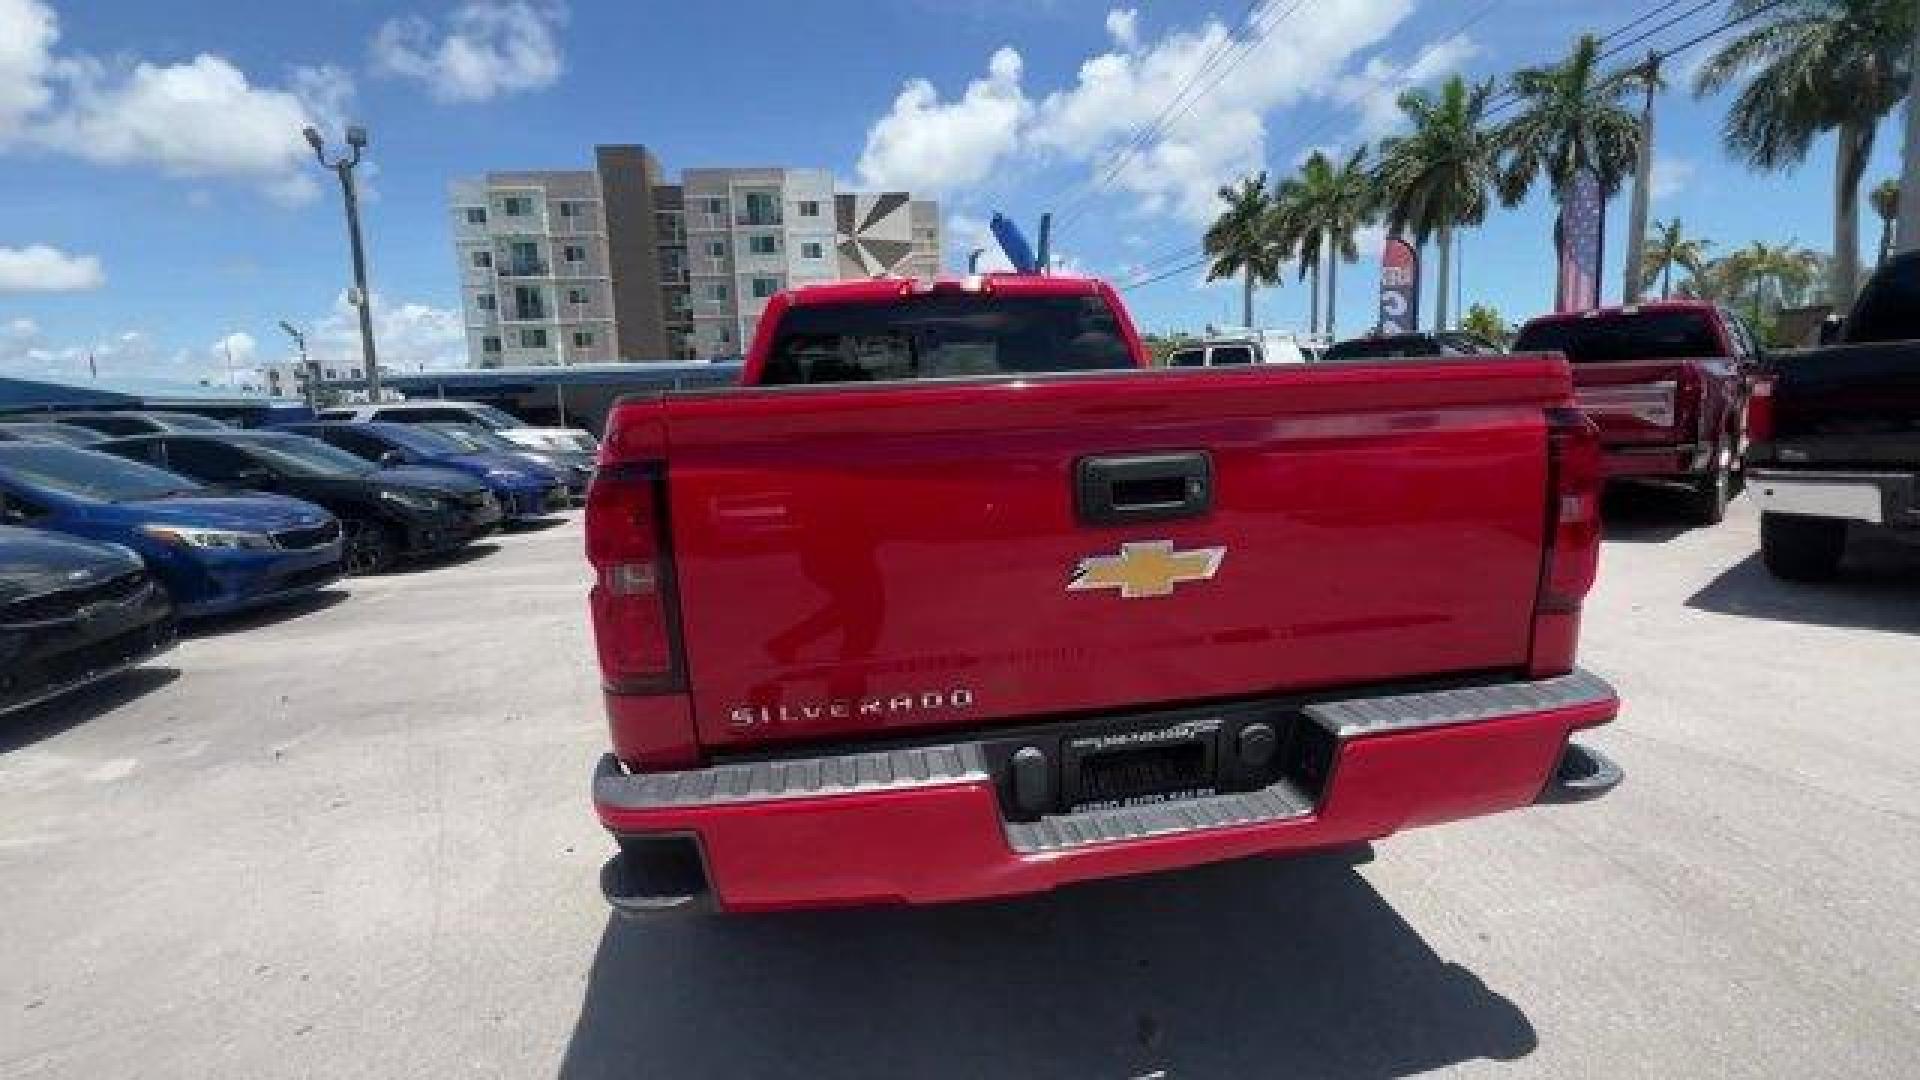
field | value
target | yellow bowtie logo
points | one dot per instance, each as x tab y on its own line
1146	569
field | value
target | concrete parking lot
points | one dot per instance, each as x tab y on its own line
353	839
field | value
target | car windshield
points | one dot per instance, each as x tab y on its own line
473	438
88	474
943	336
419	439
298	455
1617	338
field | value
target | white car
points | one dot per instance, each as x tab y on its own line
1247	347
564	440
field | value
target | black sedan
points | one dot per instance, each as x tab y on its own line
388	514
72	612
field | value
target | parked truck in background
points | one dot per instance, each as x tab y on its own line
948	601
1668	384
1836	432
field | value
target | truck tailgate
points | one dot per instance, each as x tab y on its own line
1847	405
1632	401
882	559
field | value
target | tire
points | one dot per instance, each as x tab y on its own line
1797	548
370	547
1707	504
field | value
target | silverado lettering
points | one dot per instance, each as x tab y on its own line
976	478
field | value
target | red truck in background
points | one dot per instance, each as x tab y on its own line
952	601
1668	383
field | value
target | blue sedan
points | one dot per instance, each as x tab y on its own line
525	489
215	552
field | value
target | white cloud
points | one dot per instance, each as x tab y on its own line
407	336
1374	91
1670	176
483	49
40	268
1123	26
1219	130
924	144
25	351
200	118
27	32
238	348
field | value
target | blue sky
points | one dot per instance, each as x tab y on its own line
155	199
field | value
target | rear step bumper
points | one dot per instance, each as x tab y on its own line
928	824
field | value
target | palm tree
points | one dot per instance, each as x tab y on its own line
1318	213
1241	241
1885	200
1572	118
1668	246
1773	275
1816	66
1436	177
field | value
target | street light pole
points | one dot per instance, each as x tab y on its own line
311	372
349	192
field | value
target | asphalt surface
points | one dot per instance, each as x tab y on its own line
353	839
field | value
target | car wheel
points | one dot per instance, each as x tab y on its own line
370	546
1712	492
1797	548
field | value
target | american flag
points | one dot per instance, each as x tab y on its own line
1583	222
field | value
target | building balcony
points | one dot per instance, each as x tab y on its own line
767	220
526	269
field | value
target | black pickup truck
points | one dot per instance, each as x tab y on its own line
1836	432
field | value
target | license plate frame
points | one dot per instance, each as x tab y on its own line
1142	765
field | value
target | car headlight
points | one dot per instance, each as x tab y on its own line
220	539
413	500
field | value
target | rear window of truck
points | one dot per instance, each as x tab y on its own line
944	336
1647	335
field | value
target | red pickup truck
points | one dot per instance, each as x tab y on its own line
1668	385
951	601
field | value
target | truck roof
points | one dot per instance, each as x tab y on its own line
1702	307
879	289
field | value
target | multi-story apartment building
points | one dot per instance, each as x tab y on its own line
615	264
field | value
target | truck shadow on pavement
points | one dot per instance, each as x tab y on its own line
1878	589
1644	514
1264	967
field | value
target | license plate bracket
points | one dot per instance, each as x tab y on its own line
1139	766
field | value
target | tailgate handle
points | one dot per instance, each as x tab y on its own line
1143	487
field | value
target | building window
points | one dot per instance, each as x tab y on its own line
714	206
516	205
483	259
524	257
582	339
487	344
569	209
528	303
574	253
726	335
486	302
760	209
717	291
812	250
332	373
716	249
476	215
533	337
809	208
763	244
764	287
576	296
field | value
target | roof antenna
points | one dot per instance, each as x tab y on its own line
1044	262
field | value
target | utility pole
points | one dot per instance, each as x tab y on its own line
1906	235
349	193
309	371
1642	184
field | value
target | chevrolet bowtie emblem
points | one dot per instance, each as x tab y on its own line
1147	569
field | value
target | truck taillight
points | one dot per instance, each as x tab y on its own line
1573	539
633	598
1760	411
1689	398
